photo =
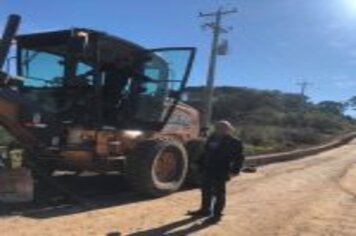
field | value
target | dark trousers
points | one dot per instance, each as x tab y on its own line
213	188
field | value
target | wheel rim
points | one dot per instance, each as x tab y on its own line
167	166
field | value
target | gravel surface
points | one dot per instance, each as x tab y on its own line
311	196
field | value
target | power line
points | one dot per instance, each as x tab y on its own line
217	29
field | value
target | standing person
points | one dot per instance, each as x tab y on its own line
223	157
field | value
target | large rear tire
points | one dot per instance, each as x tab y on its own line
157	167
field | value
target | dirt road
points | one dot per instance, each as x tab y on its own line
312	196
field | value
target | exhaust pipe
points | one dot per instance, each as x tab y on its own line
9	34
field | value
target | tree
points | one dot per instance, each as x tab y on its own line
351	103
332	107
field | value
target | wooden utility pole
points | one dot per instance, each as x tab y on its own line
303	88
301	110
217	29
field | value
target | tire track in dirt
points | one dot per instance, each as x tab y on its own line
333	214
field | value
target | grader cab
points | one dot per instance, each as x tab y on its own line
84	100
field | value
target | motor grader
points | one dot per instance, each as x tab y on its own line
83	100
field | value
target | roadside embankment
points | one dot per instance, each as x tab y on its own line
259	160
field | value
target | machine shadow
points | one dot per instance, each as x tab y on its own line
180	228
87	193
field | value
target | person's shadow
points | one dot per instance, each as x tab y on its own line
165	229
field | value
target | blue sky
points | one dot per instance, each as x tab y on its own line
274	43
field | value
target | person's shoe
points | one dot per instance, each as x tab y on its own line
213	220
199	213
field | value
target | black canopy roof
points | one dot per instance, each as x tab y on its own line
101	47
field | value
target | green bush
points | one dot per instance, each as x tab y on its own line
322	122
302	136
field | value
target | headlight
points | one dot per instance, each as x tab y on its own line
133	133
16	158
